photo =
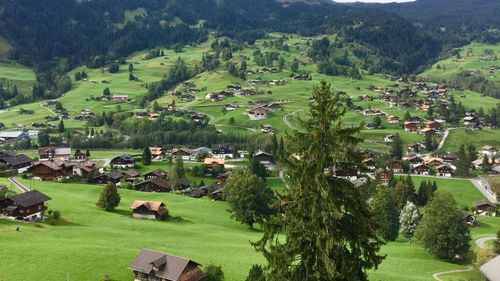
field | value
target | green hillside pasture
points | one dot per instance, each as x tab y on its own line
107	242
478	138
15	74
462	190
473	100
478	61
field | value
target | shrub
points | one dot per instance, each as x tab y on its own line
56	215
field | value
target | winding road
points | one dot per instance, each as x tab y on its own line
285	117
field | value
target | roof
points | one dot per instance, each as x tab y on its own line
156	181
491	269
262	153
30	198
157	172
57	150
132	173
150	205
169	267
125	158
15	134
55	164
482	203
213	161
16	160
88	166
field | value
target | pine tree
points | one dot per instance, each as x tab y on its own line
110	198
60	127
179	167
408	220
485	165
442	230
174	179
386	213
402	194
130	67
407	116
256	273
330	232
146	156
397	147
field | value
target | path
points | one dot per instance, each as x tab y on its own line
445	136
285	117
481	189
480	243
282	178
19	186
48	109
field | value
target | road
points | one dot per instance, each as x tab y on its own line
481	189
445	136
19	186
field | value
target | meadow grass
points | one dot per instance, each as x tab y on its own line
478	138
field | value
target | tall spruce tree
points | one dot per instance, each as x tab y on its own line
397	147
110	198
386	213
330	231
146	156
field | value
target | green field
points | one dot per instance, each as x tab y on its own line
478	138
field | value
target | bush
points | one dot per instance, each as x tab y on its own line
213	273
114	68
56	215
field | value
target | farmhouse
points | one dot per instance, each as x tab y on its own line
54	153
392	119
153	185
131	175
384	175
484	208
421	169
156	174
156	152
28	205
222	151
149	210
151	265
87	168
183	153
16	162
123	161
396	167
444	170
257	113
432	124
214	162
410	126
13	136
427	132
119	98
112	177
53	169
369	163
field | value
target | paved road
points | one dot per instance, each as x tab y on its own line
482	241
445	135
19	185
481	189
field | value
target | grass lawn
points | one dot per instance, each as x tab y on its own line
107	242
478	138
463	191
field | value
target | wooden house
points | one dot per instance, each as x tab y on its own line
86	169
28	205
156	152
50	170
123	162
264	158
369	163
222	151
19	162
427	132
156	174
257	113
152	265
112	177
54	153
410	126
153	185
214	162
483	207
392	119
421	169
384	175
183	153
131	175
432	124
222	178
119	98
149	210
444	170
396	167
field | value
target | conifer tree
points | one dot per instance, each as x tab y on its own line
386	213
397	147
330	231
110	198
146	156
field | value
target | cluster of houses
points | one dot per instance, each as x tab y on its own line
13	161
218	151
428	128
84	115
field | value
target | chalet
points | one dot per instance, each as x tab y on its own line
346	173
222	151
484	208
392	119
448	158
396	167
119	98
421	169
410	126
53	169
469	219
198	154
112	177
235	87
489	151
79	156
19	162
264	158
444	170
156	174
154	185
222	178
86	169
28	205
131	175
54	153
257	113
214	162
154	116
123	162
414	147
152	265
469	120
427	132
230	107
149	210
432	124
384	175
183	153
369	163
156	152
184	183
432	161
